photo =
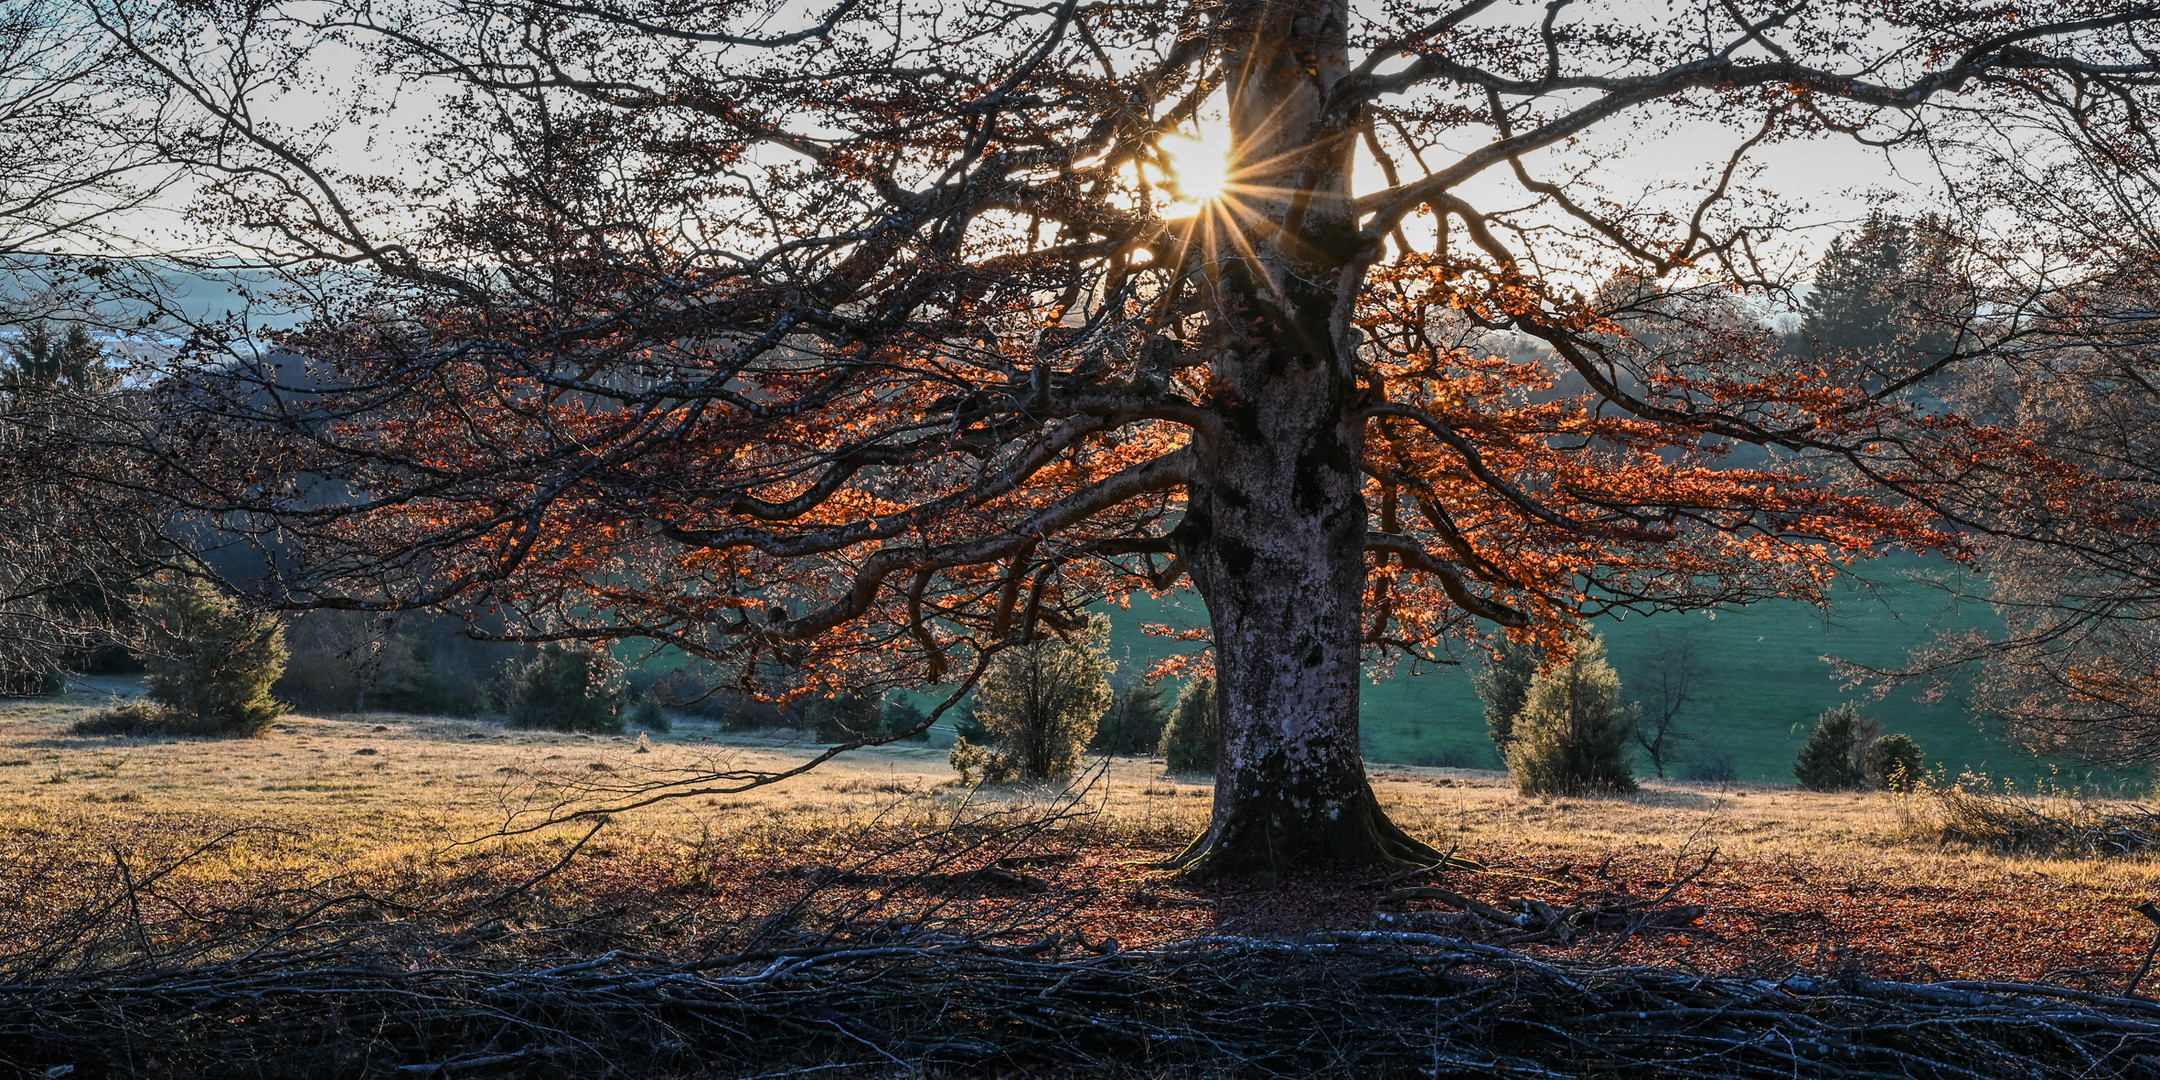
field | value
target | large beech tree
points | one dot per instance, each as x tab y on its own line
867	337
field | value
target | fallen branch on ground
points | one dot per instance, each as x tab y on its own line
1522	920
2011	822
1368	1004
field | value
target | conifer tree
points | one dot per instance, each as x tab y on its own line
1040	704
211	664
563	690
1504	684
41	362
1573	734
1192	741
1881	286
1831	759
1136	720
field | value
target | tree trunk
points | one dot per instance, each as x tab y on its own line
1274	532
1275	538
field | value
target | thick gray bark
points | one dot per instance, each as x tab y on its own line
1274	530
1274	534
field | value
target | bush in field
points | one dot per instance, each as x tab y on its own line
211	665
2045	820
980	764
1503	684
1134	725
49	682
1194	738
1894	762
844	718
901	715
1831	759
124	718
649	714
1572	735
562	690
1039	705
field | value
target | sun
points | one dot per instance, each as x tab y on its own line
1199	168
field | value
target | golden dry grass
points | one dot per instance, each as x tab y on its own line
393	775
379	792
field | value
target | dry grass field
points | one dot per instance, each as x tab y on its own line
400	808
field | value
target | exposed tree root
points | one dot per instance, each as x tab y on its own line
1255	846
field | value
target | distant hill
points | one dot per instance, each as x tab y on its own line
195	295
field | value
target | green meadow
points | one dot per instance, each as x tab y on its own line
1765	679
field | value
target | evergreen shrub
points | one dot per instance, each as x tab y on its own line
1193	740
210	664
562	690
1572	736
1134	725
844	718
1039	705
1894	762
1831	758
1503	684
901	715
649	714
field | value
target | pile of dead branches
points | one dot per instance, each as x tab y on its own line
1353	1004
2010	822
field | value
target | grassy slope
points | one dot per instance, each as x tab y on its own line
1767	684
